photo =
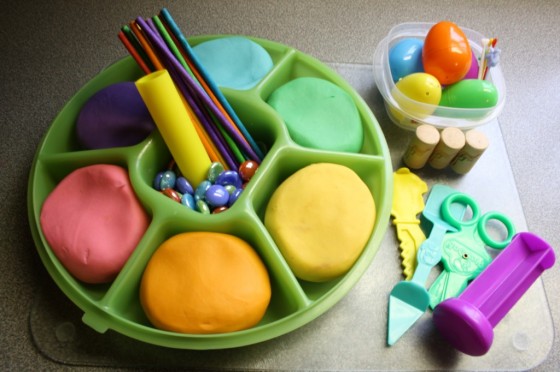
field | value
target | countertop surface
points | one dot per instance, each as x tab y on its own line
51	49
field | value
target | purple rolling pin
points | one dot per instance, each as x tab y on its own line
467	322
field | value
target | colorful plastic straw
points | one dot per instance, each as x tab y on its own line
183	41
134	53
157	44
167	56
147	50
137	31
193	99
135	44
162	30
191	69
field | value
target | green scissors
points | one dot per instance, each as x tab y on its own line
464	253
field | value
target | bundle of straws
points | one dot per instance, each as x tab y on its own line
490	56
157	44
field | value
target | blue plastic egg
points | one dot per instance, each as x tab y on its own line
405	58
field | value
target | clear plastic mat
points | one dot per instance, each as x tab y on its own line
352	334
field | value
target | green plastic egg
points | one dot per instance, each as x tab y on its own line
472	93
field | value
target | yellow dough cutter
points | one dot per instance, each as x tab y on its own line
408	202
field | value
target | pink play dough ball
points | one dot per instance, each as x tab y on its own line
93	221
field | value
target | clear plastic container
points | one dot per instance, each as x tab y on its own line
442	117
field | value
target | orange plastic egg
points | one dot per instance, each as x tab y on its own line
446	53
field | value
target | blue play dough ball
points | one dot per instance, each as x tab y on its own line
405	58
234	62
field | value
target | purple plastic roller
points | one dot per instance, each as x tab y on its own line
467	322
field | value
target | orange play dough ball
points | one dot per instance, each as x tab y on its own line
205	282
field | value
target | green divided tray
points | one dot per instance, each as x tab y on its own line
294	302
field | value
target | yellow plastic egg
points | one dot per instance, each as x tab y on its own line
418	94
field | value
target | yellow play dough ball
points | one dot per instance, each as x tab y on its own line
204	282
321	218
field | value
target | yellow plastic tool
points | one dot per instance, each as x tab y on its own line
408	202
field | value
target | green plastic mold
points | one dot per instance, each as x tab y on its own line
294	302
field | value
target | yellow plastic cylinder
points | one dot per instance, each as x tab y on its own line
175	125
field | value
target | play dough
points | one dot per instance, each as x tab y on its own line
319	114
115	116
205	282
234	62
321	218
93	221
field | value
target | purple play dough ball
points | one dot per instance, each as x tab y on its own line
115	116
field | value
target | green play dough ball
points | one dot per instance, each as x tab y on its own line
319	114
234	62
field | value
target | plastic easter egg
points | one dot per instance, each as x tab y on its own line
473	71
474	93
446	53
405	58
418	94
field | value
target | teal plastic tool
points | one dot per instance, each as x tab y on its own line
410	299
464	253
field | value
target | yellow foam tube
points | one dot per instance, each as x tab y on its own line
175	125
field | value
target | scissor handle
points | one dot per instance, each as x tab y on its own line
487	239
465	200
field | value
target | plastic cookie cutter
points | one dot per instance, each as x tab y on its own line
410	299
464	253
408	202
467	322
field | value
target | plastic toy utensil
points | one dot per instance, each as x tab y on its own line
410	299
408	189
464	253
467	321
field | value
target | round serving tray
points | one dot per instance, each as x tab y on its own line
294	302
